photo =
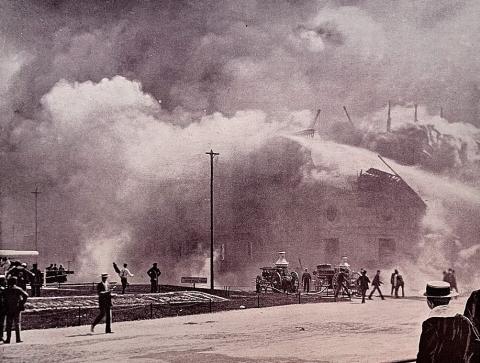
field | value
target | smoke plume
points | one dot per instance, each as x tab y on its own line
109	107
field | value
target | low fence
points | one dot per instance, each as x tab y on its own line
75	316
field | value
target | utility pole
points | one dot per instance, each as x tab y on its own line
415	118
36	193
441	112
389	119
212	156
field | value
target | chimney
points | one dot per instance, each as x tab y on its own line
415	118
389	119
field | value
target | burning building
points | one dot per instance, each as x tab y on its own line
374	219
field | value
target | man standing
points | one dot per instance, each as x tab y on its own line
446	336
105	304
376	286
36	280
399	284
3	307
14	298
362	283
341	284
393	281
306	277
472	309
154	273
124	273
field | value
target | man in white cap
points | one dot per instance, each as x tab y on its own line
446	335
105	304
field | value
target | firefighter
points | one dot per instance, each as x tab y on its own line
124	273
342	284
393	281
306	278
376	286
363	282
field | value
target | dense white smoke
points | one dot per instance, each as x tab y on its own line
110	107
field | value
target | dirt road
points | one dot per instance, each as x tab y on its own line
377	331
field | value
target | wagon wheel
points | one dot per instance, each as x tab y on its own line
295	282
276	282
322	284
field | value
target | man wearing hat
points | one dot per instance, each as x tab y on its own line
14	300
446	335
363	282
306	277
154	273
105	304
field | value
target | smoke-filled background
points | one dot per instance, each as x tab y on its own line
109	107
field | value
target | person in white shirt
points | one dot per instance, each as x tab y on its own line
124	273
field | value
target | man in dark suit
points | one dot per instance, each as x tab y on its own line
105	304
14	299
154	273
446	336
376	286
472	309
306	278
362	283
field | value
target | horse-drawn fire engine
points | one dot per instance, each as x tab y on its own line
326	277
277	278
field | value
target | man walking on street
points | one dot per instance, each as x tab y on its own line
14	298
105	304
124	273
154	273
306	277
376	286
363	282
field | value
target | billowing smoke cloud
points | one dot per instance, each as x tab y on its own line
110	107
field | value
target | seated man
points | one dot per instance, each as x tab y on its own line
446	335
